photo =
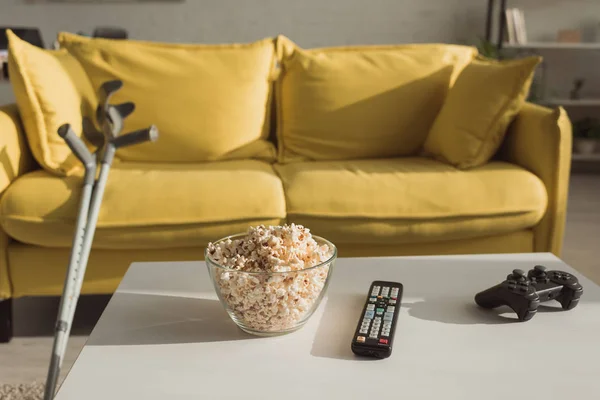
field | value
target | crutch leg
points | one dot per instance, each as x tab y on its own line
69	297
74	271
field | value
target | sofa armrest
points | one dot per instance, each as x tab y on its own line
15	156
540	140
15	160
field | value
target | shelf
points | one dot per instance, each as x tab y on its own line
572	103
586	157
552	46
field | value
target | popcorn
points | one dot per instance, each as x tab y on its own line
271	302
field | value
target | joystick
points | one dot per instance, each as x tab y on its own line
538	274
516	292
523	293
556	285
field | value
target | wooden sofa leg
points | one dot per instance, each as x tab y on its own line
6	329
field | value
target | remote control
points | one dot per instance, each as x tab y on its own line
374	335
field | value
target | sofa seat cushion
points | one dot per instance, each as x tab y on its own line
410	199
148	205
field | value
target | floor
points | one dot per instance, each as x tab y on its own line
28	353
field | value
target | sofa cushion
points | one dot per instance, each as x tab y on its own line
51	89
410	199
362	101
485	99
209	102
148	206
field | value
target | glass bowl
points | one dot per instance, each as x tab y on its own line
271	303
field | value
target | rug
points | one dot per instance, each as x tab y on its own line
23	391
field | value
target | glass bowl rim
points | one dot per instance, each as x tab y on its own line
209	260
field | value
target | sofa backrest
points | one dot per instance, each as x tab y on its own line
209	102
238	101
361	101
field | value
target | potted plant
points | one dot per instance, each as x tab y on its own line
586	133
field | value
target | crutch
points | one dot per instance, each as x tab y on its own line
110	119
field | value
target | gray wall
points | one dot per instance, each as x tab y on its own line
314	23
309	22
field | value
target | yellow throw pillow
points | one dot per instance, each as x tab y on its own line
361	102
485	99
51	89
209	102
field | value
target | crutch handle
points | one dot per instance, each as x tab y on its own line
110	87
143	135
76	145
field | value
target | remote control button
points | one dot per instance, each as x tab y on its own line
373	299
385	333
379	311
370	307
387	324
363	331
372	336
369	314
394	298
392	301
360	339
383	341
388	316
391	309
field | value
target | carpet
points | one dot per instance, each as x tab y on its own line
23	391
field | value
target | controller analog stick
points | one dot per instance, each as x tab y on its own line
518	275
539	270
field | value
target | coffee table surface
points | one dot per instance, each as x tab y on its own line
165	336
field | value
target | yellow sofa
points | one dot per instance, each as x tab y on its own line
376	201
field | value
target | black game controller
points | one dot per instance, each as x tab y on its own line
556	285
516	292
524	293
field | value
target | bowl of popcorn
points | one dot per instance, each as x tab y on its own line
271	279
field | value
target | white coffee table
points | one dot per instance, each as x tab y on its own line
165	336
